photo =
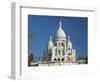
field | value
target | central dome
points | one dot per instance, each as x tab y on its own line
60	34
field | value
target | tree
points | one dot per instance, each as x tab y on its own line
30	58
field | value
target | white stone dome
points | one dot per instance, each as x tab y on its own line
50	43
69	44
60	34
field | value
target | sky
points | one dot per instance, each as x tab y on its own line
40	28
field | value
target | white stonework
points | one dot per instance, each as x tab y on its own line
61	50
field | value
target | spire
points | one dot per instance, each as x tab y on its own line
60	25
50	38
68	38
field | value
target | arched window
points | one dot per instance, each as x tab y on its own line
62	59
68	48
55	54
50	50
59	51
62	44
58	59
56	50
55	59
55	44
59	44
69	54
50	55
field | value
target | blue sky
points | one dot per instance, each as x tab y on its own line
41	27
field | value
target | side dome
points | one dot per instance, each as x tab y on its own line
50	43
69	44
60	34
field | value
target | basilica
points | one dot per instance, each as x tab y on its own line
61	49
